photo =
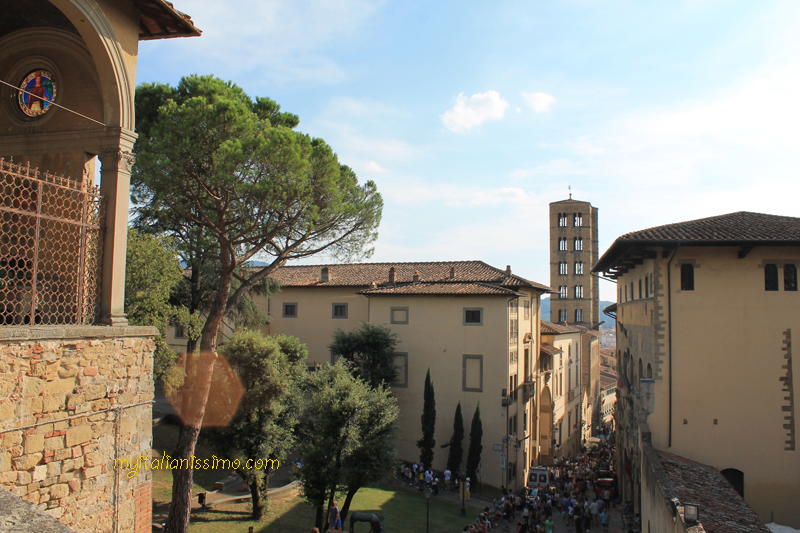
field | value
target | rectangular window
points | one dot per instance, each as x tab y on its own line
626	293
472	380
513	307
339	310
577	220
687	277
562	291
770	277
562	244
473	316
562	268
513	331
562	315
289	310
578	291
525	422
579	315
179	333
569	423
562	220
401	364
647	286
526	305
578	243
789	277
578	267
399	315
640	289
512	357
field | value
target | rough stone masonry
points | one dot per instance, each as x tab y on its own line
72	400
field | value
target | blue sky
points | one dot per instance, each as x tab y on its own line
472	116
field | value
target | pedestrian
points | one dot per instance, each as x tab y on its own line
335	518
548	524
595	511
604	519
466	489
435	485
447	476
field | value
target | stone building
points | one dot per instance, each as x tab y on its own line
474	326
706	312
76	381
573	251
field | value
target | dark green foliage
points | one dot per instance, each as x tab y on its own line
428	418
456	453
151	272
475	445
263	426
346	436
370	352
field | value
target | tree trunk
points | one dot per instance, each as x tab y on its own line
320	518
351	492
255	497
193	409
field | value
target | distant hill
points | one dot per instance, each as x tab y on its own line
608	321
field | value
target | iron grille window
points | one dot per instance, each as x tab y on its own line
770	277
473	317
50	248
339	310
289	310
789	277
687	277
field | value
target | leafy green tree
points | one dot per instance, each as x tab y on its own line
428	418
270	370
227	171
346	437
456	452
370	351
475	445
151	272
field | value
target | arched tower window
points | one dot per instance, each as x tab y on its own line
735	478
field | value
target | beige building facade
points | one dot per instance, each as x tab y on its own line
475	327
706	313
573	251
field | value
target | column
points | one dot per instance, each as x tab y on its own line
115	183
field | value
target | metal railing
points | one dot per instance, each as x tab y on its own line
50	248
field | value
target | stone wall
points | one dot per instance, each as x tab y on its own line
73	400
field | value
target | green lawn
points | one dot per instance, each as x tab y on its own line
405	509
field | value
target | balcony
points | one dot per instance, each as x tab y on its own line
50	248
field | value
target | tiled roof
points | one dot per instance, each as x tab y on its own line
742	228
549	349
551	328
452	289
366	274
160	20
607	382
722	510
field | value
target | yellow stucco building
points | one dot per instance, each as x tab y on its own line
474	326
706	313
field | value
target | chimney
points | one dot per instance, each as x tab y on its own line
452	272
392	279
508	270
416	276
325	275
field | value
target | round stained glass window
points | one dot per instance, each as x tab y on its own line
36	93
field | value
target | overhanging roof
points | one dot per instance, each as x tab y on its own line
742	228
160	20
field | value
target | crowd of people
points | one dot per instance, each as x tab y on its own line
580	492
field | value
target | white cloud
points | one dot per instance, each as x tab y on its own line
372	166
540	102
556	167
474	110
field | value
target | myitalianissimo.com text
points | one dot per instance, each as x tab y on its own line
165	462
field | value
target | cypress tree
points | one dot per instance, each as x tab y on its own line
456	454
427	442
475	446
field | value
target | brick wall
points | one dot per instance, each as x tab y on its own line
72	401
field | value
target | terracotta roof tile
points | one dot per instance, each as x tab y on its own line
722	510
365	274
549	349
452	289
742	228
551	328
